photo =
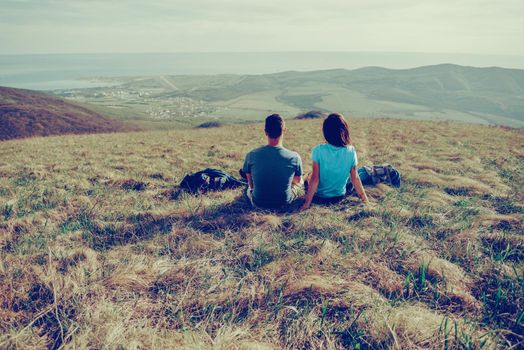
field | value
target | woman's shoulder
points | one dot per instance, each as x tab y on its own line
319	147
327	147
350	148
349	151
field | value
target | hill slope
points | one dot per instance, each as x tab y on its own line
25	113
444	92
96	254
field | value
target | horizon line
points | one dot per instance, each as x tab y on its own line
261	52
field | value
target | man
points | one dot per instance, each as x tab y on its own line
274	174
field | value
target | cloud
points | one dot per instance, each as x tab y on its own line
475	26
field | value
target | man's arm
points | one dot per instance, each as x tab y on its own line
297	179
246	168
249	180
313	185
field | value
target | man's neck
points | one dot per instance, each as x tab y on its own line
275	142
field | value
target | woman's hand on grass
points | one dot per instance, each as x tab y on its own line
368	204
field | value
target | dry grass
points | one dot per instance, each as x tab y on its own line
95	253
28	113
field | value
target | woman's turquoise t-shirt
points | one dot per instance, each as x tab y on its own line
335	164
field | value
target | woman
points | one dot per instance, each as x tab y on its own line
333	163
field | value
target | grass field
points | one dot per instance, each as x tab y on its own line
94	252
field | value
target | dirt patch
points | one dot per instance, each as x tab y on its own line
254	259
504	205
131	185
504	223
421	221
171	194
38	297
65	263
55	325
458	191
157	176
503	300
173	281
505	246
363	214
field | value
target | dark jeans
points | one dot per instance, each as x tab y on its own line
331	200
328	201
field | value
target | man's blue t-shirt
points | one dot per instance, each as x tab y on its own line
335	165
272	170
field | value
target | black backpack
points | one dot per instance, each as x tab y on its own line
209	180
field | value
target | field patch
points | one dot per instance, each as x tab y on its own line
97	252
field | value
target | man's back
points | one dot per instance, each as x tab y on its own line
272	170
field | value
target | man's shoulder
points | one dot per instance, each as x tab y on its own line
281	151
291	154
256	150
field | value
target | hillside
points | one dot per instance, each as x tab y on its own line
25	113
443	92
95	252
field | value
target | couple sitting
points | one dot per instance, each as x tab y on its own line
274	173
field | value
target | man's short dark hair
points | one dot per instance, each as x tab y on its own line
274	126
336	130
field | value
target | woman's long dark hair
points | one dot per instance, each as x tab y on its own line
336	130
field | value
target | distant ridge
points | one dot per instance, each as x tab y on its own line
25	113
489	95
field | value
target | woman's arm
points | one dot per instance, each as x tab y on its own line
312	186
355	180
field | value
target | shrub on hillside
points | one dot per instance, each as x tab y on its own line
311	115
207	125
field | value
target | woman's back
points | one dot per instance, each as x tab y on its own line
335	164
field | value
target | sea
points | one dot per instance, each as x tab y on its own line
73	71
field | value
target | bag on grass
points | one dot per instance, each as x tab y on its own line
372	175
379	173
209	179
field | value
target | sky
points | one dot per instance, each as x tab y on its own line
100	26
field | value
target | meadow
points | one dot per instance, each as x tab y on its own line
97	252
